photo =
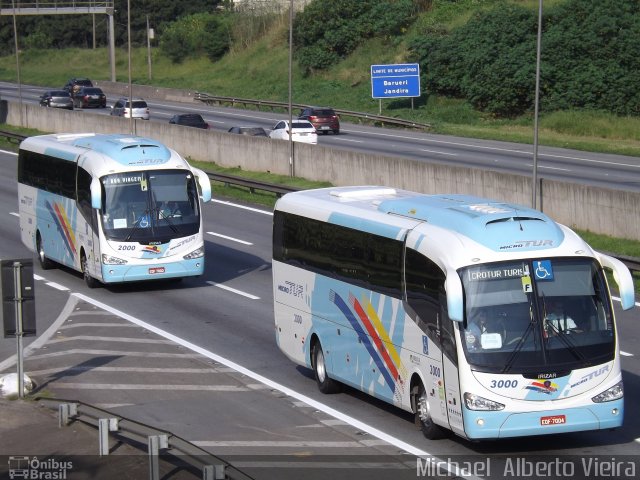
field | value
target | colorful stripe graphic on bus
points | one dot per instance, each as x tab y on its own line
543	386
382	351
59	215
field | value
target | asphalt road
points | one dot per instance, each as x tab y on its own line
199	358
609	171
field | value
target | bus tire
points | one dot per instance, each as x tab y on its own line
325	384
45	263
423	418
88	279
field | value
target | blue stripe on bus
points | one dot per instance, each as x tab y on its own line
63	154
346	311
485	221
369	226
127	150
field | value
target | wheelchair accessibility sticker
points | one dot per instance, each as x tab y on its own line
543	270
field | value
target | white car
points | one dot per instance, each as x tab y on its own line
302	131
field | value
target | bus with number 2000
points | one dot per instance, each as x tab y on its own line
117	208
382	290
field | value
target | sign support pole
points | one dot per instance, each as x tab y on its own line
17	280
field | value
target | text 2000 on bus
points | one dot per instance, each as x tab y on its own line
118	208
481	317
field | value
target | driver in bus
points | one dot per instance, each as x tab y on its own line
479	325
556	319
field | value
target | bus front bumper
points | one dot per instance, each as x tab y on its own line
490	424
135	273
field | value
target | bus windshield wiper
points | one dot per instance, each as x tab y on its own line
159	212
564	338
520	343
135	226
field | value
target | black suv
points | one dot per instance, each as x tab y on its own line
74	84
87	97
324	120
189	120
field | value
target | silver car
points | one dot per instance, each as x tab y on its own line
56	99
140	108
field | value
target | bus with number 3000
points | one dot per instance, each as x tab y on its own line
378	289
117	208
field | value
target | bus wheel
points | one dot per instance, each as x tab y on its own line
88	279
423	417
45	263
325	384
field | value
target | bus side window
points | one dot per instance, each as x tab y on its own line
424	284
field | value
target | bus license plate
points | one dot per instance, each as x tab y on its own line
553	420
153	270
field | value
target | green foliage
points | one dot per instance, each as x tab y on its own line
37	40
589	58
217	39
592	57
323	36
194	35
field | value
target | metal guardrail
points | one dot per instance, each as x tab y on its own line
159	442
378	119
633	263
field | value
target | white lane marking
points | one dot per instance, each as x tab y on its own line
57	286
626	354
94	338
45	336
352	141
233	290
549	168
9	153
259	378
498	149
114	353
229	238
279	443
14	214
146	386
439	153
77	368
244	207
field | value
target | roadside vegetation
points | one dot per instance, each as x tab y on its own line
594	108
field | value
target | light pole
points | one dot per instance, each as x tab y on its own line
15	39
291	166
534	200
129	55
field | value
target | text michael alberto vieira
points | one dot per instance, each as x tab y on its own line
517	467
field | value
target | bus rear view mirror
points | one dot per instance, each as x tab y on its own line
204	183
453	286
96	193
623	278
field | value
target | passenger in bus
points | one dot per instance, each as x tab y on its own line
481	325
556	319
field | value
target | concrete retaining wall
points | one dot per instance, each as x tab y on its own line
600	210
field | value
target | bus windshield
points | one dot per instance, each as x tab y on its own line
149	206
530	315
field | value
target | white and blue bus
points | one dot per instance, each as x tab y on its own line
117	208
379	289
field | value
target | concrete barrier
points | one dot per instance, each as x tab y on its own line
600	210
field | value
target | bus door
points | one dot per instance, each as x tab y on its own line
86	224
426	305
452	393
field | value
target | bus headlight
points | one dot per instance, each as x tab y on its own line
614	393
476	402
197	253
111	260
